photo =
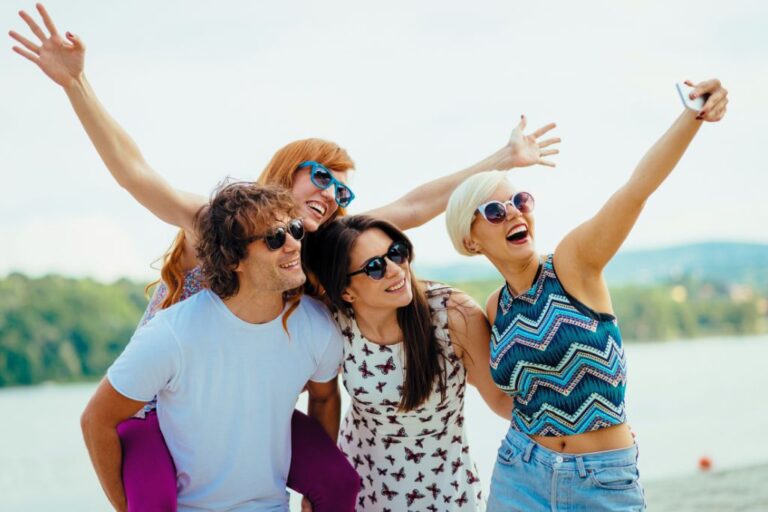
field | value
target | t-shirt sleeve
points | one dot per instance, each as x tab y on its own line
150	362
331	358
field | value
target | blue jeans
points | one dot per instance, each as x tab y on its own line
529	477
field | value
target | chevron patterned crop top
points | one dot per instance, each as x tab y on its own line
562	362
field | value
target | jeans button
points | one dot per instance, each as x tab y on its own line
558	459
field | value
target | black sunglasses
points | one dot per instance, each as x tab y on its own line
375	268
275	237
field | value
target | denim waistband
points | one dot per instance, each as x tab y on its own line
529	449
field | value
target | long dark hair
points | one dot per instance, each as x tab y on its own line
327	252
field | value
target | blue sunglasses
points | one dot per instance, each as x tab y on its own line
322	178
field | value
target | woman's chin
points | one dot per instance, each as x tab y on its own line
520	253
406	299
402	298
310	224
511	251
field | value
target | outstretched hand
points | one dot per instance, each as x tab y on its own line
61	58
715	107
524	150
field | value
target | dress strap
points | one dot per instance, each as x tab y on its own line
438	295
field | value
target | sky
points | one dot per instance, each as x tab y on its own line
413	91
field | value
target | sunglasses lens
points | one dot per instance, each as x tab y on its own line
376	268
398	253
321	178
275	239
524	202
495	212
343	195
296	229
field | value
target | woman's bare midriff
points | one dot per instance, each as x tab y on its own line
611	438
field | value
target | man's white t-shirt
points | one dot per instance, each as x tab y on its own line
226	390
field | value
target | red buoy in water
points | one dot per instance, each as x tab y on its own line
705	463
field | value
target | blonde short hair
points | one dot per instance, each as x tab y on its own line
464	201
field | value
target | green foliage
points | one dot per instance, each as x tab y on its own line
54	328
658	312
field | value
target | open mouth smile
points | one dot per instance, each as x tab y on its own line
291	264
518	234
317	207
396	287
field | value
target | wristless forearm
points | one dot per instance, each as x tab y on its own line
117	150
434	195
664	155
105	451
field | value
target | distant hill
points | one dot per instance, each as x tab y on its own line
726	262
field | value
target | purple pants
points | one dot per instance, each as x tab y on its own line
318	471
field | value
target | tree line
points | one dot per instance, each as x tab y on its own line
62	329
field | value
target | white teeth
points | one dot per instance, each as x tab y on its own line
317	206
397	286
517	229
290	265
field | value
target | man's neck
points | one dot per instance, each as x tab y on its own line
255	306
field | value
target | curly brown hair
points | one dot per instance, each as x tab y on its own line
236	212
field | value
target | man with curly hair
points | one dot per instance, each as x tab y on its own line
227	364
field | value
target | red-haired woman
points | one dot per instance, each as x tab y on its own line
317	172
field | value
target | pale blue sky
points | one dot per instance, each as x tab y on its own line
411	89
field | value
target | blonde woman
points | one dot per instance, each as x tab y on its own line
555	343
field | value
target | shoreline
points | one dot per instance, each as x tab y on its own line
761	337
740	489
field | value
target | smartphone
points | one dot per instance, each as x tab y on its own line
684	91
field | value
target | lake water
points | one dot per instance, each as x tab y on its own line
686	400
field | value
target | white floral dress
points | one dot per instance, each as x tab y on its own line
408	461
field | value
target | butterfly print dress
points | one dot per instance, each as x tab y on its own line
408	461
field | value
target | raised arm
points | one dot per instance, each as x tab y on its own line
471	336
588	248
429	200
62	59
